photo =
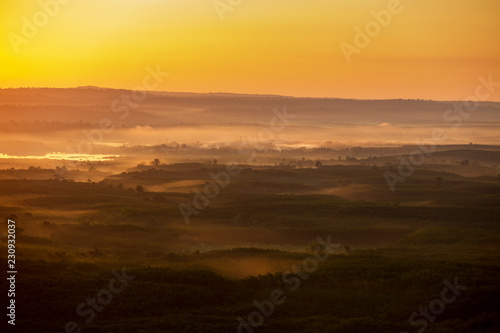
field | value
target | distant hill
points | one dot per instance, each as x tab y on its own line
225	118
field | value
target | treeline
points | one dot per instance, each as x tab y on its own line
363	292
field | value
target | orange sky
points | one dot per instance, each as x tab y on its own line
432	49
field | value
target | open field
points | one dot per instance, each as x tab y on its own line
220	228
222	166
392	250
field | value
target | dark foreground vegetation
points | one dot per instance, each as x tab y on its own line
364	291
395	252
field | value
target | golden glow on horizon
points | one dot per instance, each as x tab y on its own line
62	157
431	50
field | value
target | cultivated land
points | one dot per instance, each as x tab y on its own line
396	249
318	224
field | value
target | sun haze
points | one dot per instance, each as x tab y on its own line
424	49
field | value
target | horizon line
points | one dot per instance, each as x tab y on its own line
253	94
